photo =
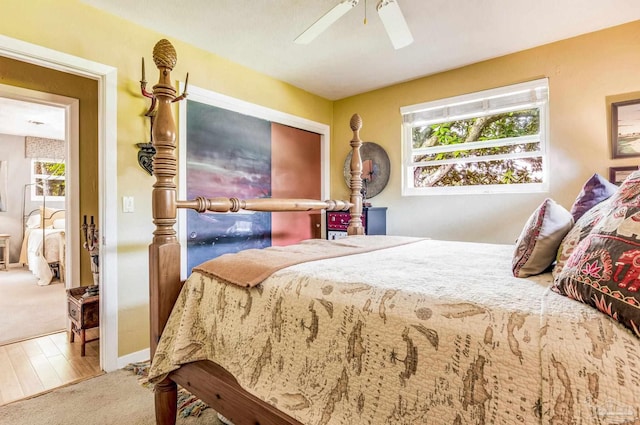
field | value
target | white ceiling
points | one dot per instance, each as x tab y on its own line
350	57
20	118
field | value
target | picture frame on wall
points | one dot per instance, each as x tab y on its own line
625	128
618	174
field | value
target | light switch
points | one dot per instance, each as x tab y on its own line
127	204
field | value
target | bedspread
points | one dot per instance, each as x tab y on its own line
428	333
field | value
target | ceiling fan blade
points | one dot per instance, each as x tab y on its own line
395	24
325	21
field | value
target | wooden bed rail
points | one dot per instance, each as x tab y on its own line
222	205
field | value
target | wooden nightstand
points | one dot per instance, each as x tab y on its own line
374	221
84	313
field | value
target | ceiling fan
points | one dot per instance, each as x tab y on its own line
390	14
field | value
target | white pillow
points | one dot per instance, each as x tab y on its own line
537	246
33	222
59	223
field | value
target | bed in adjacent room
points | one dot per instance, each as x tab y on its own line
43	244
399	330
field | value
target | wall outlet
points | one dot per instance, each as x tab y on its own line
127	204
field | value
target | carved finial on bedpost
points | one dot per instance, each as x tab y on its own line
164	142
355	225
164	54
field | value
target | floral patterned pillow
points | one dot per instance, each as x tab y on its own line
538	243
594	191
603	270
578	232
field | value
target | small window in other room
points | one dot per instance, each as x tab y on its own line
48	179
486	142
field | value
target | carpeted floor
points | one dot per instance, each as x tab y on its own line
29	310
110	399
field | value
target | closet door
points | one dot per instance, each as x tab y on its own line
295	173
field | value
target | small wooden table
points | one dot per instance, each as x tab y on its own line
6	247
84	313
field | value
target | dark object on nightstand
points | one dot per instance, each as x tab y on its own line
83	308
374	221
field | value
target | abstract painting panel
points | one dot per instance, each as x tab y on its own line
228	154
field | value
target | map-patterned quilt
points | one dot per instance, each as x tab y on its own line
432	332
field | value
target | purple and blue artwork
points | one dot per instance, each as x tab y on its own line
228	155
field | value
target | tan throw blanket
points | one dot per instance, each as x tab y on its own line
250	267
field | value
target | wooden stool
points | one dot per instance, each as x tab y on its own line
6	247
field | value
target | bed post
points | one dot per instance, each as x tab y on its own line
164	252
355	224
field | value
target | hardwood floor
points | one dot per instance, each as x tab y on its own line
41	364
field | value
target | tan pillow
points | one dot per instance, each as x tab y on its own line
537	245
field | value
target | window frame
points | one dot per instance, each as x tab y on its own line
34	181
538	88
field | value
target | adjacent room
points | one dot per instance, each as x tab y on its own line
485	153
36	268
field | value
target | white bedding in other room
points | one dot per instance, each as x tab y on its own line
54	252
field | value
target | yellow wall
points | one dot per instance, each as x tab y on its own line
585	74
72	27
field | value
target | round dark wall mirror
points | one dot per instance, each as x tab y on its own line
375	169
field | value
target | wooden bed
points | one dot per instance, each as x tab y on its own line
207	380
425	332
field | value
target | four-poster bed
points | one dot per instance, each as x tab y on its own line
419	331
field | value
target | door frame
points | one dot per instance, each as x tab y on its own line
107	79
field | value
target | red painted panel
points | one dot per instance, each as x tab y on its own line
295	173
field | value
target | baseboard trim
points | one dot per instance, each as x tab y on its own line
138	356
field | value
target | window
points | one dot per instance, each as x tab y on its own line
48	179
486	142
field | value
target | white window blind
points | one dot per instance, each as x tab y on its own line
488	102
